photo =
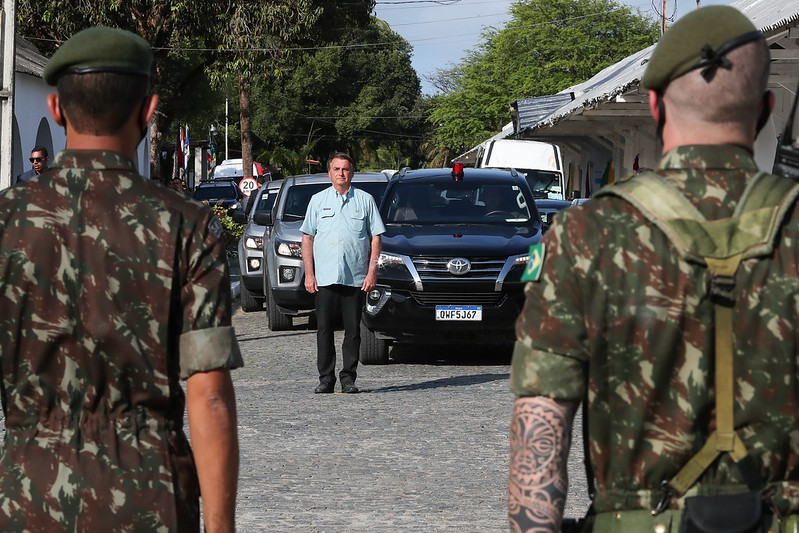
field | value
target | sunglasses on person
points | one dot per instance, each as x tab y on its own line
37	159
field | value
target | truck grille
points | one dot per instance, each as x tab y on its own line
458	298
435	268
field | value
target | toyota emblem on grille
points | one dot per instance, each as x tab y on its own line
458	266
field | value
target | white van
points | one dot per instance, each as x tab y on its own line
234	169
540	162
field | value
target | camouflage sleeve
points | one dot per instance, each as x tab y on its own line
208	349
549	355
208	341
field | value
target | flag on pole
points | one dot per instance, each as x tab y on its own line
567	193
211	158
587	191
179	149
607	174
185	149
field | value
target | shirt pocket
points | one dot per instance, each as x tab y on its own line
327	222
358	224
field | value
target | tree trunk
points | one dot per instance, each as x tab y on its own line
246	127
156	139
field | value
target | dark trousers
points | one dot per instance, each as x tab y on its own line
333	301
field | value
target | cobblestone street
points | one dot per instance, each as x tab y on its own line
424	447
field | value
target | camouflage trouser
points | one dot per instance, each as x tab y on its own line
642	521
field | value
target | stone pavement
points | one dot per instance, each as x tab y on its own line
424	447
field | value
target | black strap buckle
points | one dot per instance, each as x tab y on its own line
665	500
721	290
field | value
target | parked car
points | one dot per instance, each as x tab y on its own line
548	209
455	247
284	275
251	246
224	193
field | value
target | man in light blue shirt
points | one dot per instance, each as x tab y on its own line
340	247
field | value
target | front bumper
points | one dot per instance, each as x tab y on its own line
406	315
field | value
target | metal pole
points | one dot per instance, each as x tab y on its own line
8	58
227	154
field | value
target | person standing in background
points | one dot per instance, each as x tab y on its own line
38	159
340	246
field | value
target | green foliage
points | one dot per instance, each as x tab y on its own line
233	231
343	96
547	46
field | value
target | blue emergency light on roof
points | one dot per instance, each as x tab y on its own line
457	171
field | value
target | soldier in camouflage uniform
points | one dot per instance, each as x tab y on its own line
112	289
616	318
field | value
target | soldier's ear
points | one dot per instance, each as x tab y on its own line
54	105
148	109
654	108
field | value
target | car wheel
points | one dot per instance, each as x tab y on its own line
250	303
275	320
373	351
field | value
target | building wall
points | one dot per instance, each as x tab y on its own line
33	124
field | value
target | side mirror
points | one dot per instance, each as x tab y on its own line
262	218
239	217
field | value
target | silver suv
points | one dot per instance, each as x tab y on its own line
251	246
284	276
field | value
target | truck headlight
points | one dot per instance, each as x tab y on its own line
253	242
288	249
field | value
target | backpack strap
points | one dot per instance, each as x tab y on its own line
750	231
720	245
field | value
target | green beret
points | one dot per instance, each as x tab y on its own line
100	49
700	39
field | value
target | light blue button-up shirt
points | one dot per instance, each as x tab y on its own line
342	227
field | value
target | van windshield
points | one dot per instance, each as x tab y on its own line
545	184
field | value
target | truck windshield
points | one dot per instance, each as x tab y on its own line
545	184
457	203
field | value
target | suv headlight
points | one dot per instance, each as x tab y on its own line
288	248
386	260
254	242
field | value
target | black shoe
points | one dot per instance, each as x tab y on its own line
324	388
349	388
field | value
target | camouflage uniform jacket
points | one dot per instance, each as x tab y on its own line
112	288
619	318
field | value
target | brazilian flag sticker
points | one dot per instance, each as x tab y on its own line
534	263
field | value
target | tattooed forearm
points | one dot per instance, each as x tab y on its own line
539	449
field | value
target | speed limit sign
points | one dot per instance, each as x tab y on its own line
247	186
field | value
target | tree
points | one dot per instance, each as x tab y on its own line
356	92
168	25
547	46
260	36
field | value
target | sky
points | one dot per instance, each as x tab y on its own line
442	31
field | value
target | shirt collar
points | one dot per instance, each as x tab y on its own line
709	157
342	197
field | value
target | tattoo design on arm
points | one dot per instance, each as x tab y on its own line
539	449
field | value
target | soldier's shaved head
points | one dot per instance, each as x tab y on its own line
732	95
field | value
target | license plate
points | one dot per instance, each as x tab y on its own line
459	312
